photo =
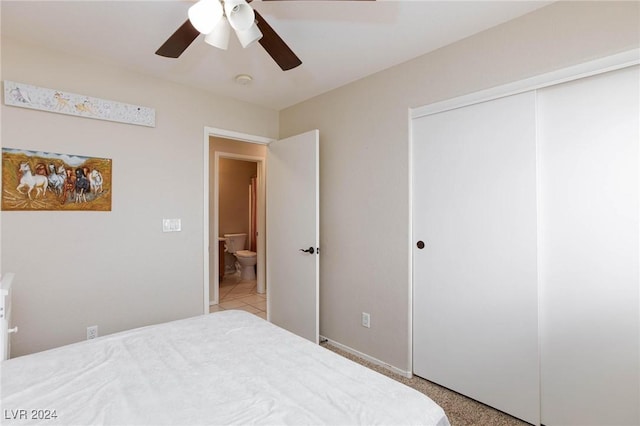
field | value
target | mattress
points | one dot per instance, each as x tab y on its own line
229	367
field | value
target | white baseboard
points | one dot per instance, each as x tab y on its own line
407	374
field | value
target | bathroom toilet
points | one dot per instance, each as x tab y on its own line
247	260
235	244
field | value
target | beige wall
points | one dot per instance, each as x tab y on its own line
364	158
113	269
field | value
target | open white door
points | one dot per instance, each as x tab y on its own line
293	226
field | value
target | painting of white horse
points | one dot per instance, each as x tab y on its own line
47	181
29	181
56	178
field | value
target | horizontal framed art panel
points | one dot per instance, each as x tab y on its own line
47	181
43	99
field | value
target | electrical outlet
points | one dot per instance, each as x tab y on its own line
366	320
92	332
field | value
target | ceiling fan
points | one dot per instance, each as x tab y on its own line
215	18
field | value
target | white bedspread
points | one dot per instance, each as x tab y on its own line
230	367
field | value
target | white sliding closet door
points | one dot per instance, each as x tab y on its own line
475	281
589	250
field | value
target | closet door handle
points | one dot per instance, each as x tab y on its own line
420	244
310	250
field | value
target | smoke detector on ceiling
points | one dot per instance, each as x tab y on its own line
243	79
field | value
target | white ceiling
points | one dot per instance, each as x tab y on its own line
337	41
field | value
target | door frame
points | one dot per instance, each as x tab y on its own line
261	240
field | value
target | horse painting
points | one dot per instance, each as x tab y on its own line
47	181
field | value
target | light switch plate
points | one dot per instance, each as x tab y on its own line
171	225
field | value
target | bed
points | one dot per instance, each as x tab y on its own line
229	367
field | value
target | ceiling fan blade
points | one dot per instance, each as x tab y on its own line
275	46
179	41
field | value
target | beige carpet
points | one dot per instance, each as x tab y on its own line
461	411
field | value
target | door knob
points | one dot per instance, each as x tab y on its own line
310	250
420	244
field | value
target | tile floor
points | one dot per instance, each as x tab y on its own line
237	294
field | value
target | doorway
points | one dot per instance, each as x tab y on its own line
218	144
238	195
293	228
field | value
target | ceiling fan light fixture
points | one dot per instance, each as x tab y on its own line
205	14
240	15
219	37
249	36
